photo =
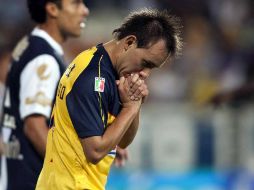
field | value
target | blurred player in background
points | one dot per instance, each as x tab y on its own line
93	113
37	64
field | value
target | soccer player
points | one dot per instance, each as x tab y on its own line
99	98
36	68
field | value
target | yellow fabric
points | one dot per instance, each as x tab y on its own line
65	165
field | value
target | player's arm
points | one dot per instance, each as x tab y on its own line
130	133
97	147
138	90
37	90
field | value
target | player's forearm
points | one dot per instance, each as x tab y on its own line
96	148
130	133
118	128
36	130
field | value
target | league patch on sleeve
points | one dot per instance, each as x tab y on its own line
42	72
39	98
99	84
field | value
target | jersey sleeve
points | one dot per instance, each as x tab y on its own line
38	83
87	104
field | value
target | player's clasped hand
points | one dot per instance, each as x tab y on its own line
132	89
137	87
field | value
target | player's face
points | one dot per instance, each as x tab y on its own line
71	15
136	60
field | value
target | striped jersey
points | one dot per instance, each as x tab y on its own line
36	68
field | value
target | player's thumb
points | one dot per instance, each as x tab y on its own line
143	75
121	81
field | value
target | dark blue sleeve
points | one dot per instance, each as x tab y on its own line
86	107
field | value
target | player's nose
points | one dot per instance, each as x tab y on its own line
85	10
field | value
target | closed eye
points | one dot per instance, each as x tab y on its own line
148	64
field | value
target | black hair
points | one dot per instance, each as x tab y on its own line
151	25
37	9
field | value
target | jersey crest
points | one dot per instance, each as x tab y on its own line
99	84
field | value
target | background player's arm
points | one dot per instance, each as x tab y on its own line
37	89
122	155
36	130
97	147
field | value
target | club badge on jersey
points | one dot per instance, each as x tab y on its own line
99	84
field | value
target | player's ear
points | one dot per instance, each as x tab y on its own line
130	41
52	9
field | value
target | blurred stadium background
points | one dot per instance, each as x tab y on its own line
184	143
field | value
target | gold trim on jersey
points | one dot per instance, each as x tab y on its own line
101	110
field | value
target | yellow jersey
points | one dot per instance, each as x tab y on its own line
87	101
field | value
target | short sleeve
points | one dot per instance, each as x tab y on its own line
38	83
87	103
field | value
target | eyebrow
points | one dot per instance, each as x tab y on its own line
151	63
